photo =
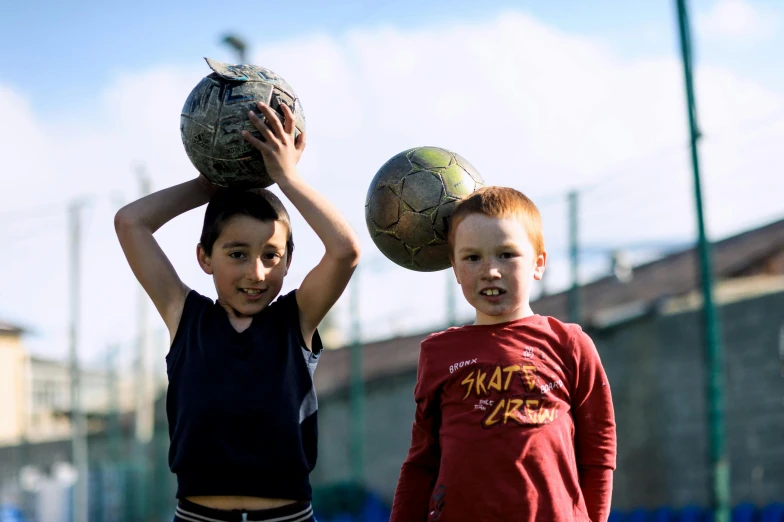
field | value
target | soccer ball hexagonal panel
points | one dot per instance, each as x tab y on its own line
409	203
422	190
384	207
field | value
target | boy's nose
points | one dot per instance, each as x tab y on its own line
491	271
257	271
493	274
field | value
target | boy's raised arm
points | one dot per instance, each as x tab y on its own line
135	224
322	287
324	284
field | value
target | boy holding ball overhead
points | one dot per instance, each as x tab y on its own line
241	405
514	417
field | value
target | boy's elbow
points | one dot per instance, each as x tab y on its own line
350	253
354	253
124	219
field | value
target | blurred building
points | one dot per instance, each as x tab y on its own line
35	394
646	322
14	384
35	424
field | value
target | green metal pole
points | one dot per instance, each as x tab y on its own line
713	348
113	428
113	392
357	392
451	305
574	255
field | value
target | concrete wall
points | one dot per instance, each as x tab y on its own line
389	413
656	370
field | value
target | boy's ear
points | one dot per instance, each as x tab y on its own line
288	261
539	266
205	262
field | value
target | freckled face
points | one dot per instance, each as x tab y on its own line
496	265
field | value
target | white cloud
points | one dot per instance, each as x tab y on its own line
737	20
529	106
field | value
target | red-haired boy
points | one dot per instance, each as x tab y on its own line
514	418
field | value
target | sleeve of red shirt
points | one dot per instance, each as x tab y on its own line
594	419
420	469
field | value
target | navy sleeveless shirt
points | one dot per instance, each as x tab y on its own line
241	406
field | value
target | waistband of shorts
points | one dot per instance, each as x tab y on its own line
193	512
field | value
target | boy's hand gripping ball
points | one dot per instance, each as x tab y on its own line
410	201
216	112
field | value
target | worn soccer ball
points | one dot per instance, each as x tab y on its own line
409	203
215	114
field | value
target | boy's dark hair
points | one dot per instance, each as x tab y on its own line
260	204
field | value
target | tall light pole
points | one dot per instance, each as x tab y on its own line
78	424
144	410
713	348
238	44
145	414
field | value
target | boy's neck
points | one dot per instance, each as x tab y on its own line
520	313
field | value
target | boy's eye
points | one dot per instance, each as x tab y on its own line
507	255
236	255
272	255
472	257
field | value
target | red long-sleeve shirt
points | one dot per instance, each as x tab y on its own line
513	422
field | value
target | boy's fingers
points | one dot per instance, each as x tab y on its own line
261	126
288	117
254	141
273	122
299	142
257	121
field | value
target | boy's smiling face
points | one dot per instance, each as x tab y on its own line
496	264
248	264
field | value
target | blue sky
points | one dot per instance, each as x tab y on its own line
56	51
59	51
575	90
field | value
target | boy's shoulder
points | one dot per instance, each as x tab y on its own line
287	300
571	330
570	335
543	326
450	334
195	302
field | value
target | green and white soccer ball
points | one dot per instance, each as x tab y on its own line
410	201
